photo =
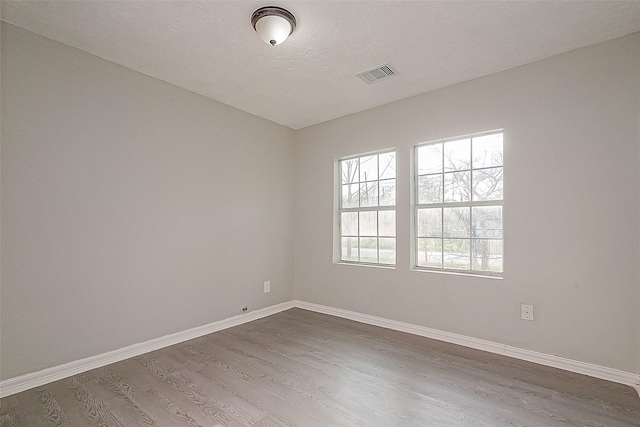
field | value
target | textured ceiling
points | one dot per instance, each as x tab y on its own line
209	47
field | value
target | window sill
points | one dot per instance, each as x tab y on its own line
457	273
384	267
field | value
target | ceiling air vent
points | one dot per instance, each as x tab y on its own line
379	73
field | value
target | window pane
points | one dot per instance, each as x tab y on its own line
387	165
368	223
456	222
456	187
369	194
430	222
487	151
387	223
349	249
430	189
367	182
387	250
429	159
457	155
456	254
349	223
387	192
368	249
487	184
350	195
349	171
487	255
487	221
368	168
429	253
457	182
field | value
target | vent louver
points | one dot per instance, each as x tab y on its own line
376	74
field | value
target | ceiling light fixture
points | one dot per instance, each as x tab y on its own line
273	24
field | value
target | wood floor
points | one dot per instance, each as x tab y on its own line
299	368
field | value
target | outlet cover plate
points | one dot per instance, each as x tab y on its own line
526	310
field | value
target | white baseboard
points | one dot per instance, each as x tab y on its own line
610	374
36	379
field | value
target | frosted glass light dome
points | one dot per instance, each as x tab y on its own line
273	24
273	29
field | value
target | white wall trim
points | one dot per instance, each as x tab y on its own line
602	372
35	379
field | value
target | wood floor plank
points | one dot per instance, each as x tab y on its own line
360	390
284	372
191	385
125	393
233	406
93	404
75	413
300	368
168	397
269	421
117	396
286	410
11	414
41	408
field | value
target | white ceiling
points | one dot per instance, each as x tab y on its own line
209	47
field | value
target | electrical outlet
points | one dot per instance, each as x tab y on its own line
526	311
267	286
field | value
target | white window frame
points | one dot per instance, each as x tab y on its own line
340	209
471	203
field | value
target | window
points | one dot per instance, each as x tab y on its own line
367	214
458	206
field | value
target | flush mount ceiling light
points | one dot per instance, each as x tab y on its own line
273	24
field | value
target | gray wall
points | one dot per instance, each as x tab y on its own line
131	208
572	208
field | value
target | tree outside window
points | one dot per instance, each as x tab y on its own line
459	200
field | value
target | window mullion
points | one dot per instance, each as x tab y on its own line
461	204
358	237
471	198
442	237
442	213
369	208
378	236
